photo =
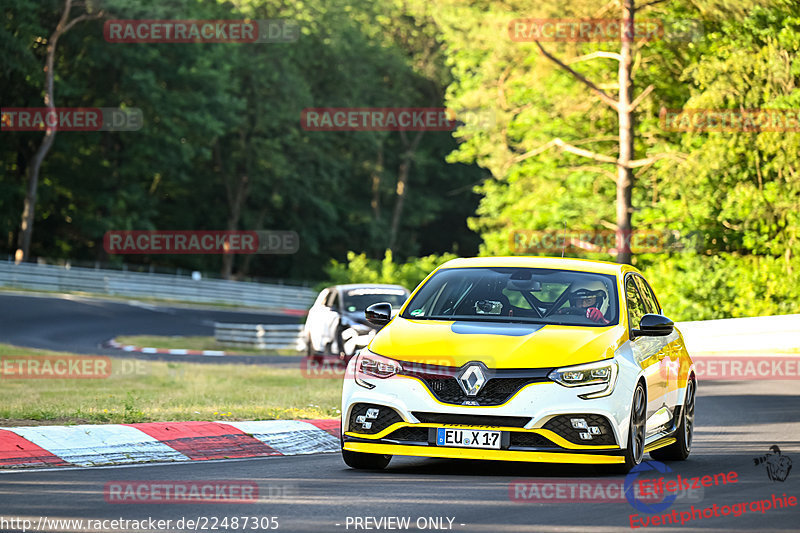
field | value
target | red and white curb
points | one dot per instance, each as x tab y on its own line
170	351
112	444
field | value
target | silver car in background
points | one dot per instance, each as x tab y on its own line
336	326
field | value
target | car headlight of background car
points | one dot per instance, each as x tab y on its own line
599	373
370	365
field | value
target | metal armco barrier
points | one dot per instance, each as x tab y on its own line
279	298
260	336
753	335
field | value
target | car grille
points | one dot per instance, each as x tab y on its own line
530	440
518	439
410	434
386	417
471	420
562	426
500	385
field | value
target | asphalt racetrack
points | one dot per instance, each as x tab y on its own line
81	325
736	422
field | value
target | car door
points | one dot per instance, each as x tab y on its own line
671	359
329	320
649	353
315	320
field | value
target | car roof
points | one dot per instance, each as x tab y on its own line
582	265
349	286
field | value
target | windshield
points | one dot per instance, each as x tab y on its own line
510	294
360	299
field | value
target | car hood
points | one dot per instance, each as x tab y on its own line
498	345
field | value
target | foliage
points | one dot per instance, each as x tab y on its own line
360	269
218	116
705	287
741	191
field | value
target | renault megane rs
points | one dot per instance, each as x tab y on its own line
522	359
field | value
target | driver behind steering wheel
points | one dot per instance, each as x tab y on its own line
590	299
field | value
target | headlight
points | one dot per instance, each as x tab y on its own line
370	365
599	373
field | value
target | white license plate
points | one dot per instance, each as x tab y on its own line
468	438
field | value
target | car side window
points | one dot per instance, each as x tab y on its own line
333	300
636	307
650	302
322	298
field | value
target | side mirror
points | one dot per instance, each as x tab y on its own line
379	314
653	325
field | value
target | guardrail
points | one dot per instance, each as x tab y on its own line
260	336
778	334
281	298
764	334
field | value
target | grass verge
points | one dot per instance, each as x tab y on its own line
155	391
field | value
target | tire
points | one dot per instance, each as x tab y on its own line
365	461
634	452
309	348
682	447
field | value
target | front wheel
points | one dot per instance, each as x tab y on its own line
635	449
365	461
680	449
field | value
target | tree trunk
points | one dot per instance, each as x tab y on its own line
29	207
244	269
236	194
402	188
376	186
235	205
626	134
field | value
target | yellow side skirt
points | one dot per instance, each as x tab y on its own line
471	453
660	443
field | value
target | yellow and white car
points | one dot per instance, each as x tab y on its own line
522	359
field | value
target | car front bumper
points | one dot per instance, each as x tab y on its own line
534	421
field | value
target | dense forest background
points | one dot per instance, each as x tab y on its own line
222	146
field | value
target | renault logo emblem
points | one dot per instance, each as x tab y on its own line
472	380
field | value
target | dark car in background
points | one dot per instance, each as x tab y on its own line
336	325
